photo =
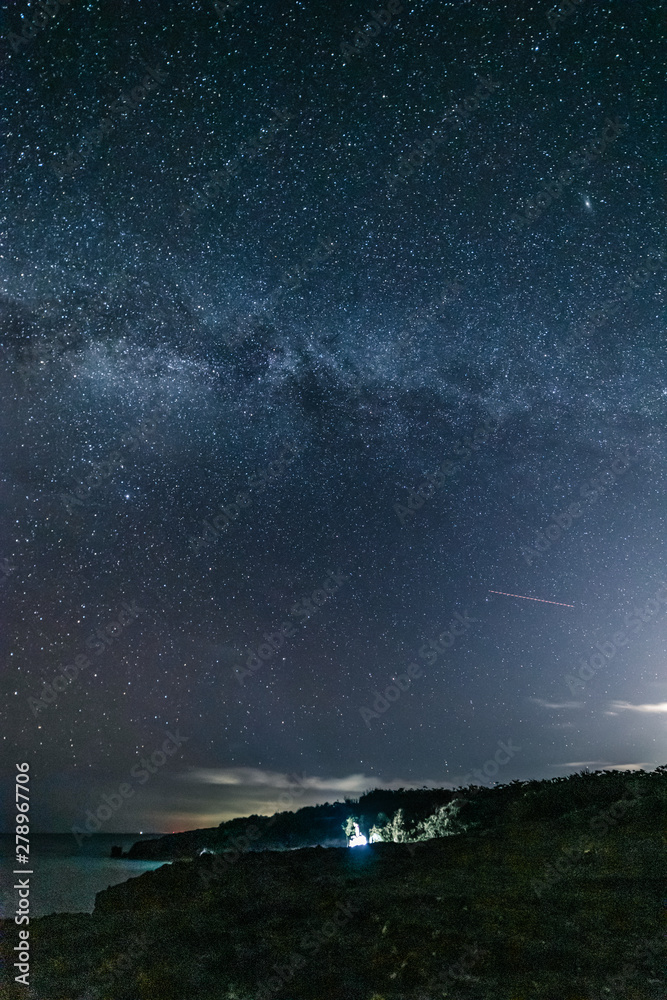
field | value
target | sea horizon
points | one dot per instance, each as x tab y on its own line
67	876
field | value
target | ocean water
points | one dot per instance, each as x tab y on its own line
66	877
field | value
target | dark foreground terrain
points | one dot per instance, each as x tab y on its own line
569	906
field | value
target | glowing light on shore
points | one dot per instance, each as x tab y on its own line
357	839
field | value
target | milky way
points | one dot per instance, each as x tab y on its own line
388	308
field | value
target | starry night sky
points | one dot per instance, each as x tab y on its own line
306	273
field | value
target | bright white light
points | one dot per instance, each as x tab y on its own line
357	839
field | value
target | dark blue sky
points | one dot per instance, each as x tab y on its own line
257	287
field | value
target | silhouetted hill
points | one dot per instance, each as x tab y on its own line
558	893
476	808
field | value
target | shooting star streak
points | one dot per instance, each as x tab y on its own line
540	599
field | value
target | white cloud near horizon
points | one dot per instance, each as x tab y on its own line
255	777
607	765
557	704
621	706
